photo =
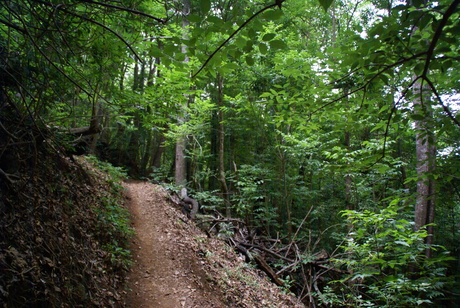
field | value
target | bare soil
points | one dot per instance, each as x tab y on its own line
176	265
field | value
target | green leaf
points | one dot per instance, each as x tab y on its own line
248	46
205	6
194	18
240	42
266	94
428	18
249	60
417	117
155	52
232	66
252	33
180	57
326	4
215	20
263	49
384	78
382	169
273	14
402	243
171	49
268	37
277	44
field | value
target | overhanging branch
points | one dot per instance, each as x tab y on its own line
277	3
429	54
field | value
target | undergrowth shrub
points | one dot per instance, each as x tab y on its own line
386	264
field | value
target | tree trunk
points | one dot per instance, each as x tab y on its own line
157	153
147	153
136	76
180	171
426	163
221	151
348	180
141	80
214	148
425	148
180	174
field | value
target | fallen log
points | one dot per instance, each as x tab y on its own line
84	130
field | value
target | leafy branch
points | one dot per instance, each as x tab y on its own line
121	8
277	3
429	54
368	82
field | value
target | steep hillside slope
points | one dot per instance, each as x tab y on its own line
56	241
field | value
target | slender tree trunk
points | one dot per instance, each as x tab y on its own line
124	68
136	76
221	151
151	74
96	116
180	174
180	171
157	153
347	144
426	163
95	122
348	180
133	152
147	152
157	148
141	80
214	148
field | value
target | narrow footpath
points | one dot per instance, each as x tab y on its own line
166	273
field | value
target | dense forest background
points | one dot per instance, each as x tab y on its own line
333	125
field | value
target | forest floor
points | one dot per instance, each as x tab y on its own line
177	265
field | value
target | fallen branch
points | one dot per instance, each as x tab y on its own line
217	220
84	131
9	176
267	269
268	251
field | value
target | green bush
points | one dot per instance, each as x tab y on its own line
386	262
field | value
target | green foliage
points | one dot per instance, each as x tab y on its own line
115	174
113	218
209	200
387	264
251	202
316	113
326	4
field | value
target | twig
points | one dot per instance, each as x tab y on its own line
438	97
221	220
7	132
267	251
298	229
8	176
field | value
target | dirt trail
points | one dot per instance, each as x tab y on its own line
177	265
167	271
